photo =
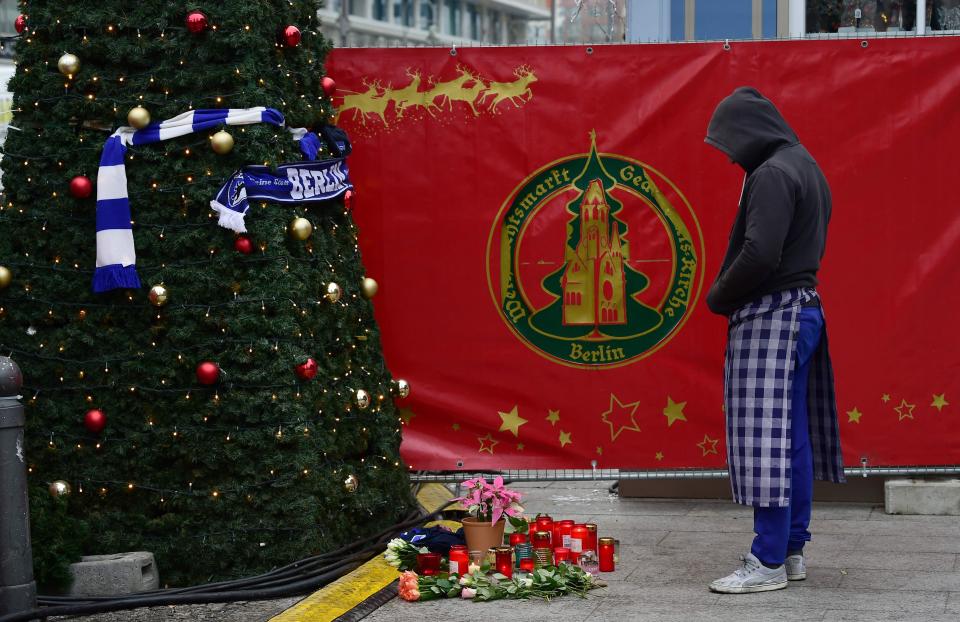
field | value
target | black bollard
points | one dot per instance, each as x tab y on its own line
18	591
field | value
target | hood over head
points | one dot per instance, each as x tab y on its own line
748	128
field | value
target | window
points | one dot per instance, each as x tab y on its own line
454	16
943	14
380	10
428	14
403	12
473	17
732	19
496	30
852	16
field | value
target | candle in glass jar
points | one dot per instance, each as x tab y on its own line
561	554
476	561
591	543
606	546
579	538
527	564
562	531
517	538
544	523
428	563
541	539
504	560
459	559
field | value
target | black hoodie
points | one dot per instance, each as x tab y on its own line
780	230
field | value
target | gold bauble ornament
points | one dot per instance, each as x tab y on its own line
59	488
351	483
333	292
6	277
402	387
69	64
138	117
369	287
363	399
300	228
158	295
222	142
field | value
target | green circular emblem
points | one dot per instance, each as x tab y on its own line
591	264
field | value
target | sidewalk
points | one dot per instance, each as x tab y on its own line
862	565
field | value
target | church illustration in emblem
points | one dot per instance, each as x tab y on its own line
596	288
594	282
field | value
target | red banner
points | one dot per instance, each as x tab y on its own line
544	222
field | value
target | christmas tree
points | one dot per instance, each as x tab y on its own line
223	402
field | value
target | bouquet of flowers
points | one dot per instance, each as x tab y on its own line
402	555
490	501
545	583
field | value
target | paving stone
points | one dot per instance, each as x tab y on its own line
839	615
911	543
634	611
801	597
901	580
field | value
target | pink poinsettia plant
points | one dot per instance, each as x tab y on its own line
490	501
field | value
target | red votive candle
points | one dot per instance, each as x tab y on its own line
517	538
541	540
575	558
561	554
504	561
544	523
459	559
591	544
527	564
562	532
606	546
579	538
428	563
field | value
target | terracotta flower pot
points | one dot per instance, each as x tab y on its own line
481	535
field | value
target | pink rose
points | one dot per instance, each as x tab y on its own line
468	592
409	588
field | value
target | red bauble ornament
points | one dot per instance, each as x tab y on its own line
307	371
291	36
208	372
329	86
243	245
20	24
81	187
348	199
95	421
196	22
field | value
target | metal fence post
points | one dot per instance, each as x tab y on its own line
18	591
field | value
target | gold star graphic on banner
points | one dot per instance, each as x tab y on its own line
674	411
659	456
620	417
456	427
905	410
519	446
708	445
939	401
564	438
511	421
553	417
487	443
885	398
407	415
854	415
599	450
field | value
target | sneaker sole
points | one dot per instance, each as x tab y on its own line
749	589
797	577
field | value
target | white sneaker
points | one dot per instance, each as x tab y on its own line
796	568
752	576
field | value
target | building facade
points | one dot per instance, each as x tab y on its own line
698	20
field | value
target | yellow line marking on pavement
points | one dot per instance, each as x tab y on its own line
348	591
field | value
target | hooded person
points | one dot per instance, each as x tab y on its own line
781	414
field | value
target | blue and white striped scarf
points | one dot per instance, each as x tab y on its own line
115	252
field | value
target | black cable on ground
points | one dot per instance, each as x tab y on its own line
300	577
614	488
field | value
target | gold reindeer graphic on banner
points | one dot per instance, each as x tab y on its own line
468	87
